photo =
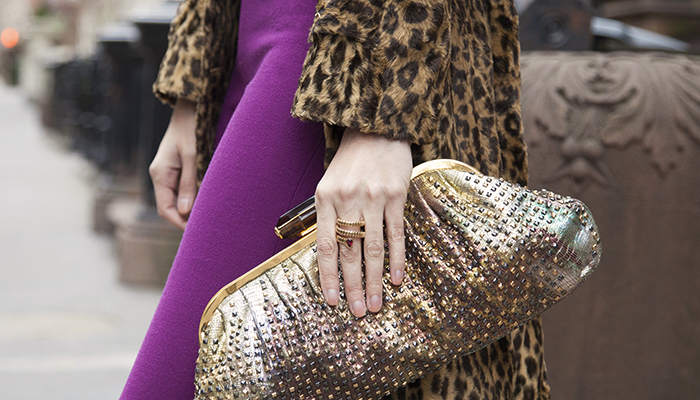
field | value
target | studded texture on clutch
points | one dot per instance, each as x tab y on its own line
483	256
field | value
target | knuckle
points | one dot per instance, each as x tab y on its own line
398	261
397	258
397	255
396	233
153	170
158	176
375	249
328	275
321	193
374	191
346	193
188	183
325	247
373	279
324	193
395	192
351	255
161	212
374	287
353	289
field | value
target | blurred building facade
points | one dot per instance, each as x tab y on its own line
54	31
89	65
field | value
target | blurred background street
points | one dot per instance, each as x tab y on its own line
68	329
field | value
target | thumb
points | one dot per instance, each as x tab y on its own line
188	184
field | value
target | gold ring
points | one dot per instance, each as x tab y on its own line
342	222
344	233
346	236
347	241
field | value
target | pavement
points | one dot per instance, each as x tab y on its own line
68	329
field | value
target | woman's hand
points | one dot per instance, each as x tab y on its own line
173	169
366	181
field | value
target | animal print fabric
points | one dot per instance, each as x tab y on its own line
197	65
442	74
513	368
180	74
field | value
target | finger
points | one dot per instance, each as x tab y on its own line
396	239
188	183
374	259
165	202
350	255
327	249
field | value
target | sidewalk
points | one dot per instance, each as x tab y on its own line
68	329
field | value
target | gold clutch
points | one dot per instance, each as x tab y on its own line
483	256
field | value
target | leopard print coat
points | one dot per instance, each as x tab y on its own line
441	74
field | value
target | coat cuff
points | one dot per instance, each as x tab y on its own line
180	73
378	81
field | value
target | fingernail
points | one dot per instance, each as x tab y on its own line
375	303
358	308
397	277
332	297
183	206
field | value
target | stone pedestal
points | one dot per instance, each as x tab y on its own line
146	245
621	131
111	188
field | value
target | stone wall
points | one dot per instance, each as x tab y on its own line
621	131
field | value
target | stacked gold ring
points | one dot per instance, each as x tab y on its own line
346	236
342	222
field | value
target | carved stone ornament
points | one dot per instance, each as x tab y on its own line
621	132
591	102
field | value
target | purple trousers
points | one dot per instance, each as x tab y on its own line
265	163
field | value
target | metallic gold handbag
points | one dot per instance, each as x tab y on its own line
483	256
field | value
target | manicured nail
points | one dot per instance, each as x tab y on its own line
375	303
358	308
332	297
397	277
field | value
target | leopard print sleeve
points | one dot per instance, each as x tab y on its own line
180	73
376	66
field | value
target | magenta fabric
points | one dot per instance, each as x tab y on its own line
266	163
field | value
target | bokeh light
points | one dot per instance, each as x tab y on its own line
9	38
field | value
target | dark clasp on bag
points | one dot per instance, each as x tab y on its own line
298	221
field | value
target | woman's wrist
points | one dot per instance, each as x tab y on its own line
184	108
